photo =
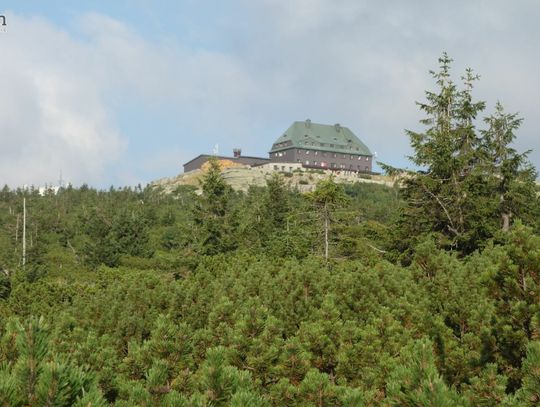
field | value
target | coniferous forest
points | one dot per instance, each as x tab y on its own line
424	294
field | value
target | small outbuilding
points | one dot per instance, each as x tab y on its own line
237	158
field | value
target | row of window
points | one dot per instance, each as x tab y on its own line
351	157
323	153
282	144
334	165
307	143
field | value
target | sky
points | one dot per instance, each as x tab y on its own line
124	92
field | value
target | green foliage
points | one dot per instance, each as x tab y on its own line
417	382
488	389
32	375
529	394
5	285
352	295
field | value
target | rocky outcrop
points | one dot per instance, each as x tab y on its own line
242	177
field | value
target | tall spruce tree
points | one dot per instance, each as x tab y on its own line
512	177
213	216
469	179
327	197
276	203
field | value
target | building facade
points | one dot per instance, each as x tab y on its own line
322	146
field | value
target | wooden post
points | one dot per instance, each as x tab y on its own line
326	226
24	234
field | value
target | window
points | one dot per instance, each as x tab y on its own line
284	153
367	158
276	168
335	155
332	165
315	163
316	152
299	151
331	145
307	162
359	157
324	154
351	157
323	164
367	168
307	151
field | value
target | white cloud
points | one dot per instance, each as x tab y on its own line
62	92
52	117
356	62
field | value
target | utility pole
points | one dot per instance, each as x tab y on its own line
24	234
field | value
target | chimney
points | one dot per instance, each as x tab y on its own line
237	152
308	123
337	127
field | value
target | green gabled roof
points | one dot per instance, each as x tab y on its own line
324	137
